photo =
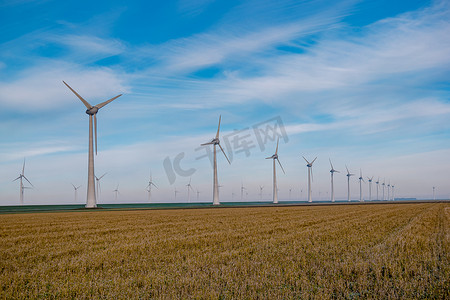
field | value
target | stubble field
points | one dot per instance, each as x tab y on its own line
341	251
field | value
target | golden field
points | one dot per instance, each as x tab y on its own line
384	251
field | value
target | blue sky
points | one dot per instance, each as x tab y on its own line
365	83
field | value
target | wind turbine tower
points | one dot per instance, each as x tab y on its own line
377	183
22	187
383	184
216	142
242	190
348	183
393	197
361	179
91	201
434	194
116	191
275	158
332	171
261	192
310	177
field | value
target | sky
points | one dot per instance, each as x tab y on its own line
363	83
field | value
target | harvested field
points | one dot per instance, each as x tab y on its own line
346	251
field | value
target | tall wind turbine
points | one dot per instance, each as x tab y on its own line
377	183
216	142
189	188
370	179
92	112
332	171
275	157
310	176
22	187
149	188
348	183
76	189
361	179
97	179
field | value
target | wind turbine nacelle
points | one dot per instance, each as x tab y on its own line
92	111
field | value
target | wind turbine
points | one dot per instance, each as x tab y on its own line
189	187
116	191
92	112
377	182
21	177
290	193
383	184
260	192
216	142
434	195
348	183
275	157
97	179
332	171
361	179
149	187
393	198
370	187
242	190
310	176
176	192
198	193
389	191
76	189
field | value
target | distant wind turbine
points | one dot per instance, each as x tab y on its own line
377	183
332	171
20	178
242	190
310	177
76	189
348	183
116	191
189	188
97	179
384	184
198	193
176	192
92	112
434	195
389	191
290	193
393	197
149	187
275	157
261	192
216	142
370	179
361	179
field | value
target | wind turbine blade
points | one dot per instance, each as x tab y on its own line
205	144
73	186
23	167
78	187
313	160
276	151
306	160
268	157
281	166
102	175
95	129
81	98
107	101
224	154
218	127
331	164
28	181
348	172
16	178
154	185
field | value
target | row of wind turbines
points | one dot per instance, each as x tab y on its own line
91	199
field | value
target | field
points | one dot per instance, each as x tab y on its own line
337	251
